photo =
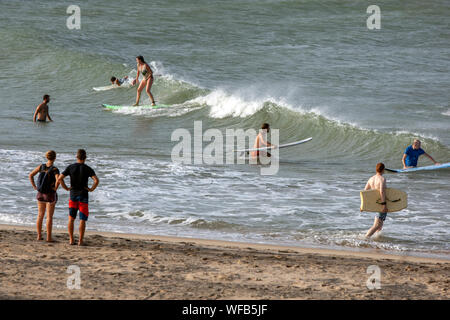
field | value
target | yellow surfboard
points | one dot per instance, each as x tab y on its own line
396	200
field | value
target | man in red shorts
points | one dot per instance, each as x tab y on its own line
79	174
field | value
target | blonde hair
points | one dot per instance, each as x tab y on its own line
50	155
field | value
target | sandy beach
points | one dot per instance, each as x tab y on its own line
123	266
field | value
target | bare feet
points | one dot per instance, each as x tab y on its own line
39	237
136	104
80	244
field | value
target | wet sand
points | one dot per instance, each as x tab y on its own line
126	266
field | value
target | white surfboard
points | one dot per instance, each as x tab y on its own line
280	146
126	84
396	200
105	88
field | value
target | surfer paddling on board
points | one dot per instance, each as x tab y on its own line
121	81
41	112
147	73
378	182
412	154
261	142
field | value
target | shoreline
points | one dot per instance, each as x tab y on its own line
352	252
136	267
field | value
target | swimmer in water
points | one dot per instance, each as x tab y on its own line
41	112
121	81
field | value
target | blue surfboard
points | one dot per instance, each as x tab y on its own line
433	167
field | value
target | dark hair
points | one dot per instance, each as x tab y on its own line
141	58
380	167
265	126
46	97
81	154
113	79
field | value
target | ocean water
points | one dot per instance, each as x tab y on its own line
309	68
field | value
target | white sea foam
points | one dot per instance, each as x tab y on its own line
228	105
415	134
147	194
224	104
172	111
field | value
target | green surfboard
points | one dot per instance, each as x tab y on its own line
112	107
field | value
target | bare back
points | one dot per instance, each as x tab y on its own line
259	143
377	182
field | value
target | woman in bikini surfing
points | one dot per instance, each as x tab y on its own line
147	73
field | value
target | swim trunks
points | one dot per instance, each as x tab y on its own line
79	203
382	216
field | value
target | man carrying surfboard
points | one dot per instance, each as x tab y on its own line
378	182
412	154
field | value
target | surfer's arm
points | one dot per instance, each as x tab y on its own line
94	186
403	162
431	158
266	143
32	174
60	181
137	74
48	116
56	183
383	195
149	69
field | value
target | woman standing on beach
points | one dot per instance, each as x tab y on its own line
46	196
147	73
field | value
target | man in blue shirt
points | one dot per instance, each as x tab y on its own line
412	154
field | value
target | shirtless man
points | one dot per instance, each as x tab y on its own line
378	182
41	112
261	142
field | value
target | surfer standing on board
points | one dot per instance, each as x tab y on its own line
261	142
412	154
147	73
378	182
